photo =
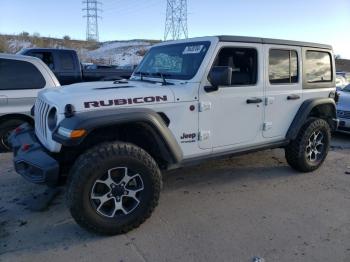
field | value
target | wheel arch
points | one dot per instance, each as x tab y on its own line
324	108
142	127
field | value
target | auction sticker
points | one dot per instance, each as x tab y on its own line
193	49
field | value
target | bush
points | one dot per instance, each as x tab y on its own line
141	52
3	45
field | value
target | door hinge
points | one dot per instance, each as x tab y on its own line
204	106
269	100
204	135
267	126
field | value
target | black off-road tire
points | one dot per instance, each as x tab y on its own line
5	129
296	151
98	160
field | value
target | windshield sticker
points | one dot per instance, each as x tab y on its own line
193	49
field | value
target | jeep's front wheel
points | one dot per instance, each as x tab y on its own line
113	188
309	150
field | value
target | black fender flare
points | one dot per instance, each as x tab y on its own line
304	112
93	120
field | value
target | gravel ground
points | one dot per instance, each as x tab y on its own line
228	210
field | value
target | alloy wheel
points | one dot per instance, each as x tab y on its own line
117	193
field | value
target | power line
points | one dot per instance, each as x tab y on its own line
92	9
176	20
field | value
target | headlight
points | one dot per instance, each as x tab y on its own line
52	118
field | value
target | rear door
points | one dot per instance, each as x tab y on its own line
283	88
20	82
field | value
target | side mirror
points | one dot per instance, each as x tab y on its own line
220	76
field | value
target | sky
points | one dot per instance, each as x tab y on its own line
323	21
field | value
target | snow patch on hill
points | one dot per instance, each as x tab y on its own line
118	53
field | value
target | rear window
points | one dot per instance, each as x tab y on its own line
46	57
17	75
66	60
283	66
318	67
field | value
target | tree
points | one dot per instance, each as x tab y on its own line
337	56
36	35
66	37
24	34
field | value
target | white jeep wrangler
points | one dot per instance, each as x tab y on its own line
188	101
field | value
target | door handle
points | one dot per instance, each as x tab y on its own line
293	97
254	100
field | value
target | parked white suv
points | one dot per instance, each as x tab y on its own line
21	78
187	102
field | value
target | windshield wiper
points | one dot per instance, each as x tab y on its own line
162	75
142	74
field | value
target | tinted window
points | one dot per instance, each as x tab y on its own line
15	75
46	57
318	67
66	60
243	62
283	66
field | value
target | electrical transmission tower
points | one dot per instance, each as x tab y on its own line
91	7
176	20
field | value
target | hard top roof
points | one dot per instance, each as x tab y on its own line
246	39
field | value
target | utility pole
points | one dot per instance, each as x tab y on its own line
176	20
91	7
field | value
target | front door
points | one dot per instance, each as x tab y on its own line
232	116
283	89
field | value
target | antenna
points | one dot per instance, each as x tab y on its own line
176	20
92	8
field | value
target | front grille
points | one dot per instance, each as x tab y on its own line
343	114
41	112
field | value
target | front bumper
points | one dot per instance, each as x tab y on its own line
31	160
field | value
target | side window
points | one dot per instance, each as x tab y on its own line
283	66
244	63
66	60
17	75
46	57
318	67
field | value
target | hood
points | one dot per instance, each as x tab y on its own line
103	95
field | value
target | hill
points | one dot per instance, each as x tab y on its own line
112	52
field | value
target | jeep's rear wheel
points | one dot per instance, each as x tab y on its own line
309	150
5	130
113	188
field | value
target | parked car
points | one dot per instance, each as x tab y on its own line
346	75
21	78
65	64
343	109
188	101
341	82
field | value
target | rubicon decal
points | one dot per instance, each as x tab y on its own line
125	101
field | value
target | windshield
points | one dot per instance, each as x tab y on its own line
173	61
